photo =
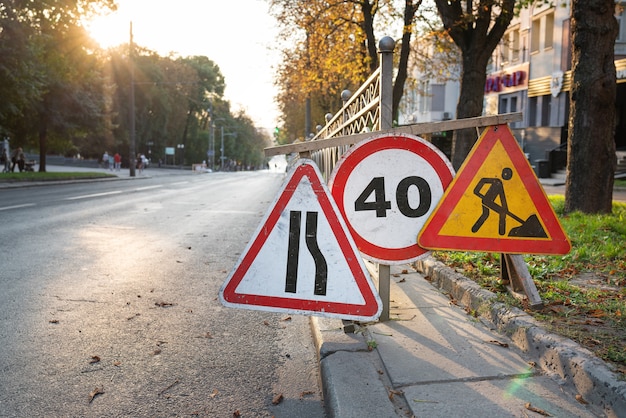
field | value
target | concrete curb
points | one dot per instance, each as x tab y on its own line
557	356
349	391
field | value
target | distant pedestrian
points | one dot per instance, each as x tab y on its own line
18	159
117	160
139	163
105	159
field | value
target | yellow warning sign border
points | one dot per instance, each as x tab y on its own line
431	237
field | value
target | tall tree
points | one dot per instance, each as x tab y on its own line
476	26
591	143
64	97
337	50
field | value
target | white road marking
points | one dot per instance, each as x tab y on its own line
25	205
88	196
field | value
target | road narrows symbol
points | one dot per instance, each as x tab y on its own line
293	252
302	259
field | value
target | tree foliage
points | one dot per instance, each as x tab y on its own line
62	94
331	46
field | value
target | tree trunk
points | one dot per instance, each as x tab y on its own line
476	29
369	11
470	105
591	145
43	143
410	8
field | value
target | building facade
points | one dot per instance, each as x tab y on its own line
531	72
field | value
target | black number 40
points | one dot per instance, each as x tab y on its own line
380	205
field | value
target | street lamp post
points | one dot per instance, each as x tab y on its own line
222	156
182	156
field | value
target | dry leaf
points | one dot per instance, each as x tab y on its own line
306	393
501	344
117	363
97	391
236	414
392	393
277	399
405	271
287	318
54	321
164	304
266	323
580	399
214	393
537	410
94	359
402	280
156	352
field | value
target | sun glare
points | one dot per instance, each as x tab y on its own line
109	30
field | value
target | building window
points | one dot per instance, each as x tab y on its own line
619	15
535	35
542	29
545	110
438	100
515	45
423	96
532	111
549	31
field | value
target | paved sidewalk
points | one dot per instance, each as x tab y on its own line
432	359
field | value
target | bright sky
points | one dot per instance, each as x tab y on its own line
236	35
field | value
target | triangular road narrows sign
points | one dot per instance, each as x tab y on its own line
301	259
495	204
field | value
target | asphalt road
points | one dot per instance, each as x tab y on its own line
109	303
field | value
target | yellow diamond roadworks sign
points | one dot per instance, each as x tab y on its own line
495	204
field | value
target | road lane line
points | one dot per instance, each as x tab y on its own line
148	187
25	205
88	196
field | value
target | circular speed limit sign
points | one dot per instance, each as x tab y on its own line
386	188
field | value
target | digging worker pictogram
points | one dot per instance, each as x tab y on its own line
494	199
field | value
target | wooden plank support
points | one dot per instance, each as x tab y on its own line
514	269
415	129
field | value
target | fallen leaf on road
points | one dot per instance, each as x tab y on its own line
287	318
236	414
402	280
54	321
163	304
392	393
501	344
306	393
537	410
214	393
97	391
277	399
94	359
580	399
